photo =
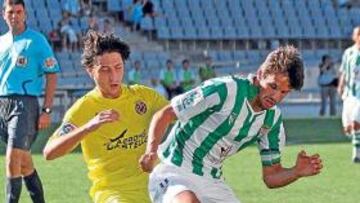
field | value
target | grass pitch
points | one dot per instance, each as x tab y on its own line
65	179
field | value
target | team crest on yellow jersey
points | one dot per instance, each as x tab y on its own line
140	107
21	61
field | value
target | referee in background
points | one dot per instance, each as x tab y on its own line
25	57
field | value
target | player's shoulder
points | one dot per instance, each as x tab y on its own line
83	102
241	78
36	35
141	90
220	80
6	37
350	50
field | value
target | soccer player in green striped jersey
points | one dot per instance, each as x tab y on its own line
216	120
349	89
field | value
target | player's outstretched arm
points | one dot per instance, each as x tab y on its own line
276	176
159	123
63	143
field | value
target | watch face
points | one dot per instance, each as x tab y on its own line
46	110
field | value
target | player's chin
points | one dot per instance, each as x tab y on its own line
114	90
267	105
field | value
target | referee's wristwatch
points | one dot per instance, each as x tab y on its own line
46	110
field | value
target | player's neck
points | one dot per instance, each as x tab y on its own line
19	31
256	105
357	45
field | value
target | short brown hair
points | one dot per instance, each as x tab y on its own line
13	2
286	60
96	44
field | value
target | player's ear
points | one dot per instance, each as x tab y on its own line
259	74
89	71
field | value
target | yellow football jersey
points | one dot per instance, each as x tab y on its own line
113	150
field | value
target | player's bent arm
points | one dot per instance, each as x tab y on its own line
61	145
276	176
159	123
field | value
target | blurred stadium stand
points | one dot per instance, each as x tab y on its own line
237	34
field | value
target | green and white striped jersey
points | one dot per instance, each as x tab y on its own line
350	67
215	120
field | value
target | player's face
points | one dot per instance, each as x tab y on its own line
14	15
108	73
273	88
356	35
186	65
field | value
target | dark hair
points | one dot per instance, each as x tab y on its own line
185	61
13	2
169	61
287	60
324	58
96	44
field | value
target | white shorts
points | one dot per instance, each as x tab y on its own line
351	111
167	181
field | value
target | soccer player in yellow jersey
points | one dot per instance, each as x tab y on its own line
111	123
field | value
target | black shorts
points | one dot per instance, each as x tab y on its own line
18	120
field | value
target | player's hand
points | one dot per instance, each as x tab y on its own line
308	165
147	161
101	118
44	121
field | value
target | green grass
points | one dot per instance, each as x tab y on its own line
338	182
65	179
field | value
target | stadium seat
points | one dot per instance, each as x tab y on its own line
146	23
163	33
114	5
190	33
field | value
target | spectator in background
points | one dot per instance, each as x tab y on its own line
116	9
206	72
186	76
93	23
169	81
107	26
328	82
134	76
136	14
72	7
86	7
127	8
69	36
55	39
148	8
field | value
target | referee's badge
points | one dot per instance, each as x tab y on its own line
50	62
140	107
21	61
